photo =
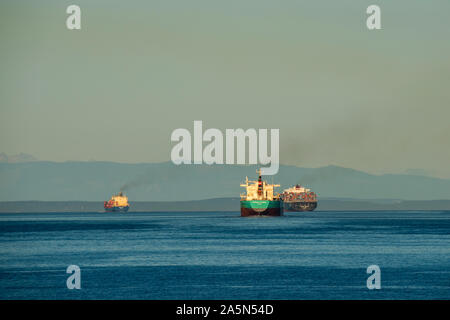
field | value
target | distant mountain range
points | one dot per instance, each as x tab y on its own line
219	204
21	157
97	181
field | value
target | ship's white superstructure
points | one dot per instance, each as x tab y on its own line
297	189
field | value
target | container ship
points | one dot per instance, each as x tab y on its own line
117	203
259	199
299	198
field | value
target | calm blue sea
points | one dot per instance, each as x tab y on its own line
216	255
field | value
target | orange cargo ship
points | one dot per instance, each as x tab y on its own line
117	203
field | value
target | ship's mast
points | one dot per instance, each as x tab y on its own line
260	184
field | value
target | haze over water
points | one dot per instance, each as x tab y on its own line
216	255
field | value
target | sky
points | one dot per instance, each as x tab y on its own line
377	101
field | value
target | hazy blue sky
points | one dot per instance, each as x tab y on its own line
340	94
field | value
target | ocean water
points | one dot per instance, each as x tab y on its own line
216	255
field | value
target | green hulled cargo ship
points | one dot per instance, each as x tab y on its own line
259	199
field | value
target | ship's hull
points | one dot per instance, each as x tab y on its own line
117	209
251	208
299	206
